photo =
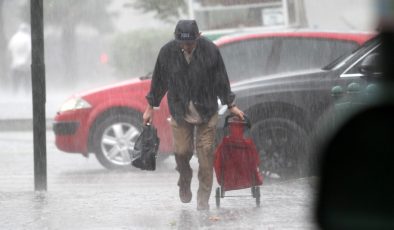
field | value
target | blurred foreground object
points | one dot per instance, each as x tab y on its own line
356	189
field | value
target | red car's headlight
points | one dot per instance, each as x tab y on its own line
74	104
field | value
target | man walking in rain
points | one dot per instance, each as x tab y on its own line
190	68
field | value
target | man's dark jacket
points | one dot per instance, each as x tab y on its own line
202	81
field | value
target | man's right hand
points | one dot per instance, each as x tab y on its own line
148	115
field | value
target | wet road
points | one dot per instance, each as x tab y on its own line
83	195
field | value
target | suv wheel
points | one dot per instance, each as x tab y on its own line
282	145
114	138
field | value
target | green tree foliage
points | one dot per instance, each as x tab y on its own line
169	10
165	10
134	53
71	13
67	15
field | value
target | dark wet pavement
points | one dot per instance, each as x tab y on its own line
83	195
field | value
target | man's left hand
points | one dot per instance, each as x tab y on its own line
234	110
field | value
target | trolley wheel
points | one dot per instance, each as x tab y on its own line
217	196
252	189
257	195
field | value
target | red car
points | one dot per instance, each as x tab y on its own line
108	120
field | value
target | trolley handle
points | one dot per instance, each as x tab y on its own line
246	121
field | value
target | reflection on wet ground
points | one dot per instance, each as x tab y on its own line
83	195
153	206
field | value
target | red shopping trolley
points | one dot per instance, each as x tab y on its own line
237	161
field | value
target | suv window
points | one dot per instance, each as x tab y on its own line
345	59
356	67
258	57
308	53
248	58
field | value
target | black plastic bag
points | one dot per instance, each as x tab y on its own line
145	149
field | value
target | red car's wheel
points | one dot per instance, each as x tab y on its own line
114	138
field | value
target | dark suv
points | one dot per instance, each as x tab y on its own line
286	108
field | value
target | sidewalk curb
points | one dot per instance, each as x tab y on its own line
22	124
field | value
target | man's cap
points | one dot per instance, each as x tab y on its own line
186	31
